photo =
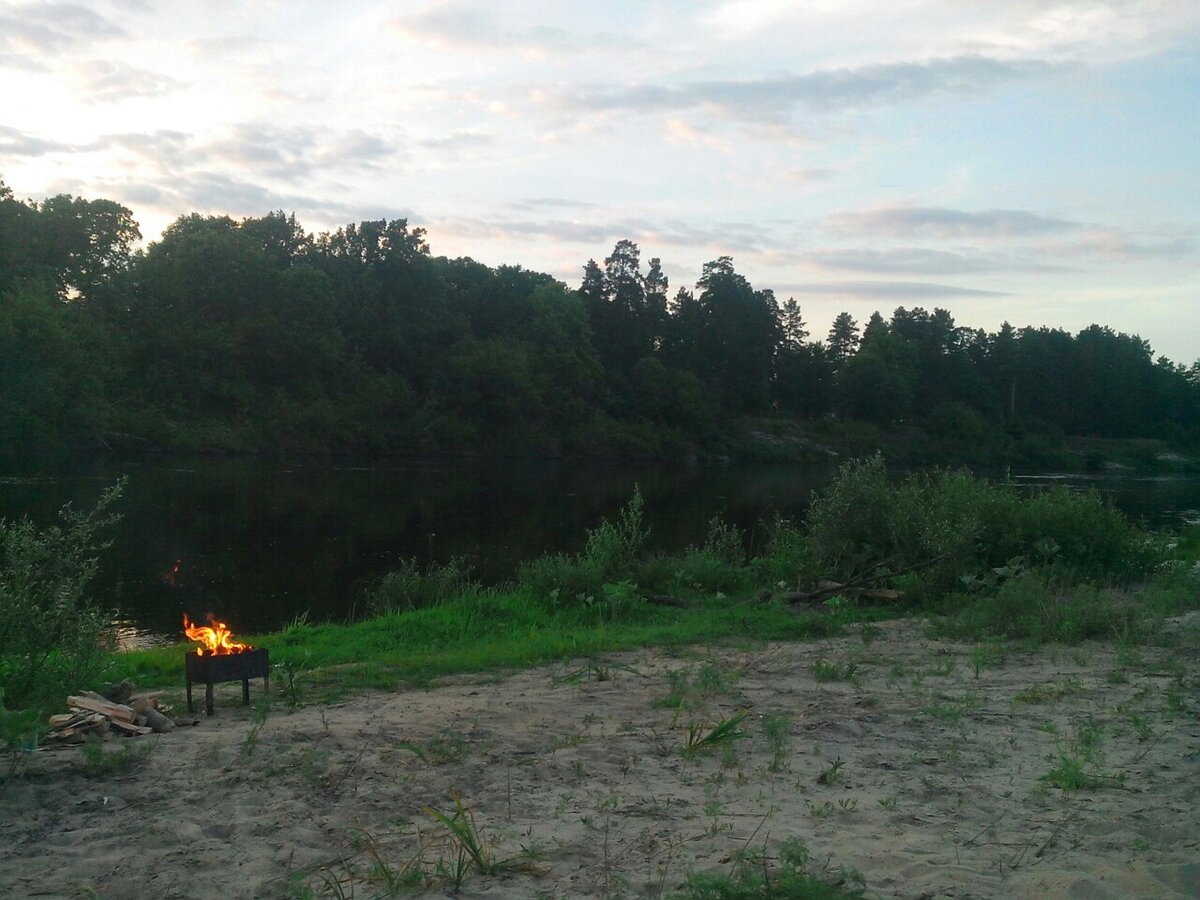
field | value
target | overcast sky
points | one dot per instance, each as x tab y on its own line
1031	161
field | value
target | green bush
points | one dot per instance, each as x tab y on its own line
407	587
957	526
53	638
611	554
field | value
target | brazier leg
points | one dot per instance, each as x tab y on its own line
189	694
208	698
245	692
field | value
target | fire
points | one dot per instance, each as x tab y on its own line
217	639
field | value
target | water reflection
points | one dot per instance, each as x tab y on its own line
260	544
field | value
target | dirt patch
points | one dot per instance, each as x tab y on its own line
932	769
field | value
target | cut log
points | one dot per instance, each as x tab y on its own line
114	711
157	722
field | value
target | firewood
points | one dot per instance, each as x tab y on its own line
114	711
142	703
127	728
158	722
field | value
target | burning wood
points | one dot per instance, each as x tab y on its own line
216	637
221	659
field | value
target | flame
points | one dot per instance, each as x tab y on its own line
217	639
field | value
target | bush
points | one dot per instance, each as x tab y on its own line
407	587
1031	607
52	636
955	525
611	554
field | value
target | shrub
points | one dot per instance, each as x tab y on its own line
407	587
956	525
611	554
52	636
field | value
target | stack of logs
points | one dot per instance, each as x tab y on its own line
101	716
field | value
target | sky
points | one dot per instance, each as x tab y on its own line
1036	162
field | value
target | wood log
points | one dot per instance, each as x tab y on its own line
157	722
128	728
114	711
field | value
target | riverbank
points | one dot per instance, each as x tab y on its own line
922	766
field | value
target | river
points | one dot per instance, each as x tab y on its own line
261	543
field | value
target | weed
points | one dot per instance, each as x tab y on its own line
888	803
122	761
824	670
724	733
262	710
777	729
831	773
1043	693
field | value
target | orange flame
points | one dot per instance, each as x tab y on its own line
217	640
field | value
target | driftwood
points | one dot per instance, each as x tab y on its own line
857	584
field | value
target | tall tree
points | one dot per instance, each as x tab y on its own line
842	342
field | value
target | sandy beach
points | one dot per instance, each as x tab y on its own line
926	767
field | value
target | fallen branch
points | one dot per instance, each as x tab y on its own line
858	584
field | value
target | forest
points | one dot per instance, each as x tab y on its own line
256	336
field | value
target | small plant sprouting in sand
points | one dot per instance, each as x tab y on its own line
1044	693
985	656
262	710
867	633
447	746
117	762
754	875
689	686
777	729
831	773
595	671
1078	759
723	734
824	670
469	848
888	803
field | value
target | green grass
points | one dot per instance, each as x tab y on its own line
485	630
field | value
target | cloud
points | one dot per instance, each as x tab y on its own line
465	27
898	290
14	143
931	221
719	237
919	261
106	81
832	90
531	203
1114	244
42	28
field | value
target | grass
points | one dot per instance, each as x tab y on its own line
788	877
1062	571
723	734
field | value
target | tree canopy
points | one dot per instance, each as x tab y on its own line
257	336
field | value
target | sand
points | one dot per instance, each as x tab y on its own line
923	772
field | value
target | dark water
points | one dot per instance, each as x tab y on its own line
259	544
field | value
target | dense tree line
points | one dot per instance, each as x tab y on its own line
258	336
